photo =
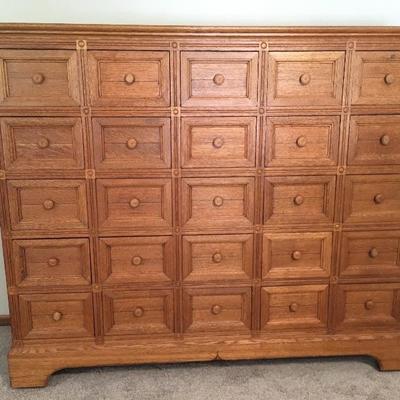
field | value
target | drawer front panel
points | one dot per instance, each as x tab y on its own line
294	308
208	310
218	142
134	203
146	312
374	140
137	259
376	78
45	204
216	202
122	143
129	78
51	262
219	79
372	199
363	307
217	257
299	199
39	78
297	255
302	141
42	143
305	78
57	315
370	254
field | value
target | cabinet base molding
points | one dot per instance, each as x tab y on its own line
32	365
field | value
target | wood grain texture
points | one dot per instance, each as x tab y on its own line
198	193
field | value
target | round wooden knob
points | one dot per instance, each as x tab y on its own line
219	79
138	312
43	143
218	142
129	79
293	307
385	140
301	141
37	79
305	79
216	309
298	200
373	253
134	203
48	204
378	199
137	260
218	201
131	143
296	255
53	262
217	257
369	305
389	79
57	316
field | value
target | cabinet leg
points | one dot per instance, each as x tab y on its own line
389	361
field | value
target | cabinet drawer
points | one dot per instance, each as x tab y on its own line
218	142
297	255
374	140
208	310
47	204
217	257
135	204
42	143
362	307
294	308
302	141
51	262
57	315
129	78
145	312
370	254
299	199
372	199
376	77
305	78
39	78
218	202
123	143
137	259
219	78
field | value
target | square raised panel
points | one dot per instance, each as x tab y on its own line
219	79
297	255
217	202
217	257
42	143
305	78
129	78
39	78
214	142
137	260
47	205
134	204
299	199
372	199
302	141
376	78
137	143
144	312
294	308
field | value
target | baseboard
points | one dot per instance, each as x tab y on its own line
4	320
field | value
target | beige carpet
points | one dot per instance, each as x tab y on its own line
305	379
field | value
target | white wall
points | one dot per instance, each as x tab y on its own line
200	12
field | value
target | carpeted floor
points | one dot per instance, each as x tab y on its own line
305	379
